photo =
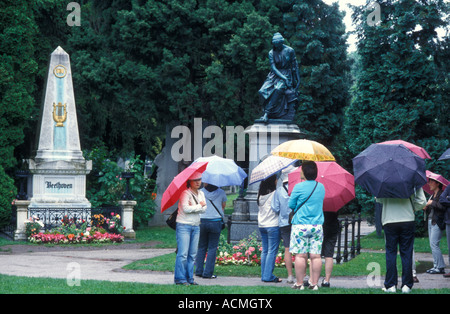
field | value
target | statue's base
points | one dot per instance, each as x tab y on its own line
263	138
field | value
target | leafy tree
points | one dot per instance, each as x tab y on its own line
17	72
401	91
317	34
105	185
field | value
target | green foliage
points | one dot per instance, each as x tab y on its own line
106	186
401	88
7	195
17	71
317	33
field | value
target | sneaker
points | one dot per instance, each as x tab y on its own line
406	289
298	287
415	279
313	287
447	275
290	280
390	290
325	284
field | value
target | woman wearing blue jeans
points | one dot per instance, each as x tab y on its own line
191	204
210	229
269	229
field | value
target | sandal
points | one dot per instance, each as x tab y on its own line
436	271
276	280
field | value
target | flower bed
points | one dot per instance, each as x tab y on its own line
57	238
246	252
73	232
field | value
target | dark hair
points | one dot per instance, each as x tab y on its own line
188	183
440	185
267	186
309	169
210	188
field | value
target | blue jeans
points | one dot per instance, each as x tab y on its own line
187	244
400	235
209	240
435	235
270	242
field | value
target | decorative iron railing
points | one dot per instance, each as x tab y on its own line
53	217
348	243
348	226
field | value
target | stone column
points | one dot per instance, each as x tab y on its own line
22	216
127	218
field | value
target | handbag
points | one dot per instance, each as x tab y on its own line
172	220
292	213
221	217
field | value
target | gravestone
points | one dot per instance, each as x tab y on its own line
59	169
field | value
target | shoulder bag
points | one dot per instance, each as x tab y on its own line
292	213
223	222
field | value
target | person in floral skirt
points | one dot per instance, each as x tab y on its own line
307	234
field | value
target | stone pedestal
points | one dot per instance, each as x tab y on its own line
22	216
127	218
263	138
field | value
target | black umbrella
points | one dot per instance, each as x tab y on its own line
389	171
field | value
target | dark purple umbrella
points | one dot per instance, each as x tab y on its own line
389	171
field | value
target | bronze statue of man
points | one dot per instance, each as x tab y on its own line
279	91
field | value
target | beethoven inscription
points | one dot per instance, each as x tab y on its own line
58	187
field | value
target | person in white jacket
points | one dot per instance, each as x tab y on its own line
269	229
192	203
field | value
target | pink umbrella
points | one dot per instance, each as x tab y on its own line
419	151
438	178
339	184
178	184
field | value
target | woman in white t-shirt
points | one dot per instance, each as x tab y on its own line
269	229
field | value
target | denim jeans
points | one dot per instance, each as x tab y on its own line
187	244
435	235
270	242
209	240
400	235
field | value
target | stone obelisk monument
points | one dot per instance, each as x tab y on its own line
59	169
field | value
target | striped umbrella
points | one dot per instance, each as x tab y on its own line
268	167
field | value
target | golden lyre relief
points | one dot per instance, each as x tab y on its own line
59	114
